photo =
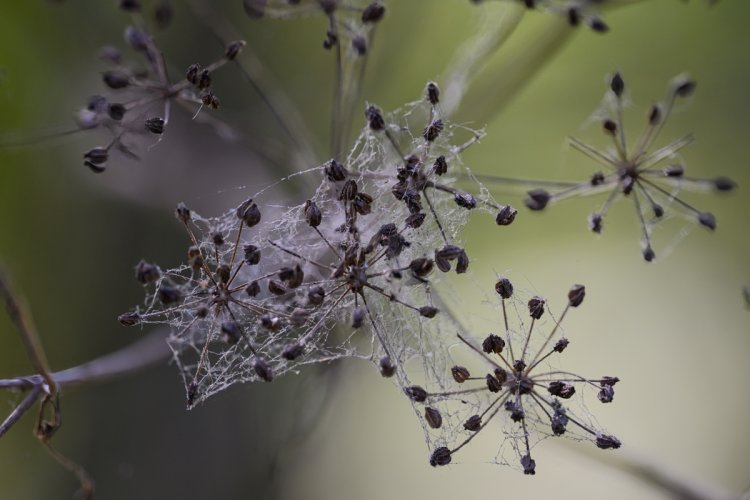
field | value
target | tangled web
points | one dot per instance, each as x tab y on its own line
348	273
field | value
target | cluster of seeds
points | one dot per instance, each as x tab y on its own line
517	387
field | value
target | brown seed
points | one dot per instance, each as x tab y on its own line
460	374
433	417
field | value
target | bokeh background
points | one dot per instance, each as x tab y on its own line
675	331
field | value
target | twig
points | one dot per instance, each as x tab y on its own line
22	408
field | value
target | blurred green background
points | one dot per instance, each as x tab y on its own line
674	331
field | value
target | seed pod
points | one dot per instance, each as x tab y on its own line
191	74
432	131
473	423
428	311
252	289
231	332
421	267
606	394
138	39
217	238
493	344
316	295
607	442
292	351
129	318
724	184
276	288
433	94
416	393
116	111
529	465
335	171
298	317
358	317
460	374
561	389
537	199
415	220
559	421
684	87
654	115
249	213
504	288
233	49
708	220
374	118
519	365
595	223
576	295
560	345
597	178
462	263
195	258
146	273
262	369
440	166
617	84
373	13
609	380
597	24
155	125
433	417
348	191
441	456
313	215
506	216
359	44
610	126
387	368
648	254
493	384
516	412
465	200
501	375
116	79
204	79
252	255
169	295
536	307
96	156
182	212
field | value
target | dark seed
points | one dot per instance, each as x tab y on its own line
529	465
617	84
249	213
234	49
708	220
440	166
506	216
606	394
433	417
493	344
373	13
146	273
155	125
292	351
428	311
493	384
169	294
441	456
504	288
537	199
252	255
387	369
460	374
576	295
374	118
560	345
473	424
253	288
263	371
561	389
536	307
433	95
129	318
416	393
607	442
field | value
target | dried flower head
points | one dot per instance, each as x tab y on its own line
516	387
651	178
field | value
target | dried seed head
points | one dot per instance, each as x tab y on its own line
155	125
441	456
249	213
262	370
252	254
129	318
576	295
373	13
473	423
607	442
374	118
146	273
191	74
519	365
116	111
416	393
506	216
504	288
561	389
460	374
387	368
313	216
433	417
537	199
493	344
234	48
617	84
536	307
195	258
